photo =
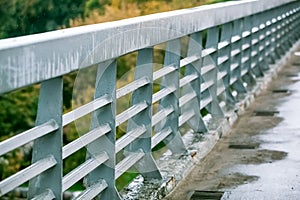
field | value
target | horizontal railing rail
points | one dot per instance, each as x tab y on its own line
229	46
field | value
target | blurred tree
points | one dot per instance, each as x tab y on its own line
7	18
19	108
95	5
17	114
22	17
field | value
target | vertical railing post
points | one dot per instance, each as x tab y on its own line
194	49
297	21
284	29
49	107
283	33
246	53
105	85
291	25
212	43
224	52
236	56
277	35
268	53
262	42
288	30
262	59
172	57
274	54
255	47
144	68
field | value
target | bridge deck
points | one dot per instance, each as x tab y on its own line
260	158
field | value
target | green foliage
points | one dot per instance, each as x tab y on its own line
68	89
217	1
7	18
18	111
204	112
22	17
98	5
125	64
17	114
125	178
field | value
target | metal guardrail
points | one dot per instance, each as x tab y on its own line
230	45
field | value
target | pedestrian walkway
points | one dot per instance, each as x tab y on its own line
260	157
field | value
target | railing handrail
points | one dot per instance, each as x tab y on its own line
24	61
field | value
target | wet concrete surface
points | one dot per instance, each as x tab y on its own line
260	157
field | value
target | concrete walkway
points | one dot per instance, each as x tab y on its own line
260	157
